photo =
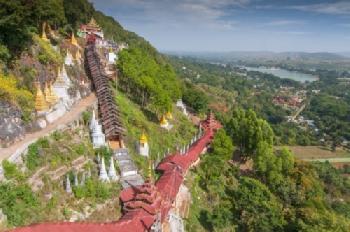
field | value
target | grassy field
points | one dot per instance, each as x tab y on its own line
320	153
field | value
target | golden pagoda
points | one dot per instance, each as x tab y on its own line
53	96
40	102
73	40
169	115
43	34
78	55
163	121
51	99
59	79
143	138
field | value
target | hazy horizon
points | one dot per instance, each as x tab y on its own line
231	25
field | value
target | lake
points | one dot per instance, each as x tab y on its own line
283	73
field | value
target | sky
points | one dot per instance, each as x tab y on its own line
236	25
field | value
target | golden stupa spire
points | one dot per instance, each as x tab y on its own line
73	40
49	98
78	55
40	102
43	33
163	121
143	138
53	95
169	115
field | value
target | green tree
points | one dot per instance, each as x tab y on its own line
255	207
247	131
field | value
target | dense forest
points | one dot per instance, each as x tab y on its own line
276	193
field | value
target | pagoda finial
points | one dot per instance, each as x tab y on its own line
143	138
40	102
73	40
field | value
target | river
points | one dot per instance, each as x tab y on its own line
283	73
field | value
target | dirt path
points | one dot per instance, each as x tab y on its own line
67	118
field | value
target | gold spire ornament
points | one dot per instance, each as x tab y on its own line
143	138
169	115
78	55
40	102
43	34
163	121
73	40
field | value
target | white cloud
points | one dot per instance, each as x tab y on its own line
342	7
284	23
177	13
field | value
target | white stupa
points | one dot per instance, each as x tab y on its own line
111	171
93	121
61	85
112	57
76	181
65	76
103	173
68	185
68	60
181	106
98	138
143	145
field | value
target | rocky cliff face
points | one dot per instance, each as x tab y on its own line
11	125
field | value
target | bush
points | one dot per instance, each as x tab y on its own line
9	91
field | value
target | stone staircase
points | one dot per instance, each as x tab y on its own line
128	170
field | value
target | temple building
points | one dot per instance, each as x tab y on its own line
41	105
92	28
143	145
112	57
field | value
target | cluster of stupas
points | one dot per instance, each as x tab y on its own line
45	100
84	177
69	58
105	176
97	135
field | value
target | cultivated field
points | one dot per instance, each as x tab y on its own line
320	153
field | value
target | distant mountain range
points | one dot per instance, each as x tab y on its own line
266	55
